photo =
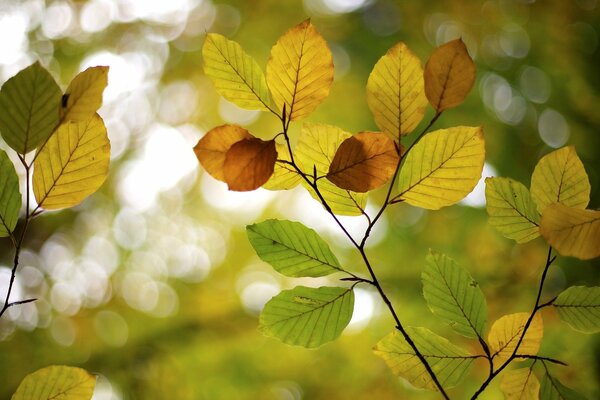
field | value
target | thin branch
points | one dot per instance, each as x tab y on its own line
532	357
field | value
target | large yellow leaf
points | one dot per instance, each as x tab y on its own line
572	231
520	384
300	71
449	75
442	168
506	331
364	162
249	164
235	74
316	148
212	147
284	175
72	164
83	97
395	92
57	383
560	177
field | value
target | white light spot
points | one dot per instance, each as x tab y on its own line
57	20
553	128
236	115
97	15
477	197
111	328
13	31
535	84
364	305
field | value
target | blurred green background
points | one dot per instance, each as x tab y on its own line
151	282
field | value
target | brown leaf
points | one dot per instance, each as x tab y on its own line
364	162
249	163
213	146
449	75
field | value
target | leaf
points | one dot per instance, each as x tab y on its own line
442	168
308	317
395	92
57	382
449	362
560	177
511	209
249	164
364	162
579	306
284	175
29	108
235	74
453	295
300	71
213	146
10	197
292	248
572	231
506	331
520	384
449	75
72	165
316	148
553	389
84	94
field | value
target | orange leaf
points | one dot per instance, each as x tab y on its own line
364	162
213	146
249	163
449	75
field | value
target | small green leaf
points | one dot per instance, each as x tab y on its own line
56	382
449	362
579	306
307	316
29	108
511	209
453	295
10	197
552	389
292	248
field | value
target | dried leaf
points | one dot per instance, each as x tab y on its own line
249	164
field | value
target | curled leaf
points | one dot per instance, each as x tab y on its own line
249	163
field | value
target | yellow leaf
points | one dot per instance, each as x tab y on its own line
300	71
316	148
235	74
572	231
560	177
56	382
213	146
83	97
249	164
72	164
395	92
520	384
506	332
284	175
364	162
449	75
442	168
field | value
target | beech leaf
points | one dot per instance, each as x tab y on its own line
284	175
56	382
552	389
520	384
506	331
83	97
249	164
579	306
10	197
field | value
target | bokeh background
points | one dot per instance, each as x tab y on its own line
151	283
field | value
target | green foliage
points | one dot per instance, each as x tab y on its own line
57	382
10	197
579	306
553	389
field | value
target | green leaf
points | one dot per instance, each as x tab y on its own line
29	108
236	75
10	197
559	177
56	382
307	316
511	209
579	306
520	384
552	389
449	362
292	248
453	295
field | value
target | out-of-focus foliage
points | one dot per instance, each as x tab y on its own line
118	301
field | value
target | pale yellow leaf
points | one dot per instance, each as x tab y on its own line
235	74
520	384
559	177
284	175
72	164
395	92
83	97
506	332
57	383
572	231
449	75
300	71
442	168
315	150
